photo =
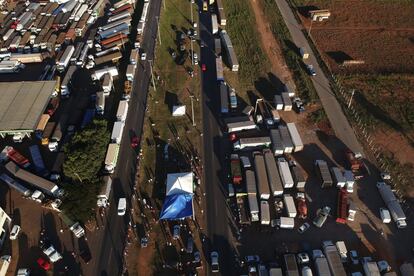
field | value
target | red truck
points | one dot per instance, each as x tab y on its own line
302	207
53	105
17	157
342	207
236	175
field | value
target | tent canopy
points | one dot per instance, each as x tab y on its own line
179	183
178	206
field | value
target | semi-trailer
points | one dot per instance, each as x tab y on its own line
83	55
298	177
322	170
16	185
285	173
119	16
64	87
342	206
242	208
44	119
291	265
50	126
112	57
57	135
219	69
122	8
294	134
111	157
214	24
286	139
273	175
105	192
107	84
251	143
240	126
27	58
134	56
10	66
277	145
37	160
261	175
333	258
217	47
278	102
65	59
285	223
224	98
254	207
321	265
264	212
98	74
393	205
287	102
290	206
250	183
122	111
122	28
117	131
338	177
221	14
130	72
231	54
46	186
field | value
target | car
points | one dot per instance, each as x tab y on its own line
14	232
122	206
245	161
385	215
44	264
302	229
190	72
195	58
174	55
303	258
143	56
144	242
252	269
353	256
197	257
298	105
311	70
214	261
134	141
252	259
203	67
176	232
202	44
231	190
321	216
190	245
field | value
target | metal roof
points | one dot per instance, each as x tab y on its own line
22	104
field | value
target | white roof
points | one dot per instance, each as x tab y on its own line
179	183
178	110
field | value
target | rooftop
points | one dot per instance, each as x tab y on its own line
22	104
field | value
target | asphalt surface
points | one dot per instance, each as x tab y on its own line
339	122
217	214
108	246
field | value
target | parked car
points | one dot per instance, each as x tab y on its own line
190	245
303	258
144	242
44	264
143	56
122	206
214	261
311	70
252	259
176	232
203	67
14	232
353	256
303	227
321	216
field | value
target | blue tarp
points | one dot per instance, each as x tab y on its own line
177	206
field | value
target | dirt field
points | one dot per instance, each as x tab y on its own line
379	33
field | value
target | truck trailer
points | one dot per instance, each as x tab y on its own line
333	258
235	169
322	170
295	137
105	192
117	132
285	173
261	176
277	145
290	206
291	265
251	143
273	175
393	204
264	212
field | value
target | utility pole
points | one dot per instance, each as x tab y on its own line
192	109
152	75
191	40
158	28
310	27
164	4
350	100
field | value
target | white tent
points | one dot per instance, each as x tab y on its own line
178	110
179	183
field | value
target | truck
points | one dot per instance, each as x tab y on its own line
291	265
277	145
278	102
11	153
294	135
73	226
322	171
100	102
46	186
50	127
302	207
251	143
351	210
122	111
16	185
242	208
121	28
240	126
64	87
342	207
285	222
98	74
56	136
322	266
224	98
233	98
65	59
286	140
343	252
290	205
261	175
355	163
350	181
231	54
107	84
285	174
273	175
219	69
254	207
287	102
338	177
130	72
105	192
298	177
111	157
37	159
134	56
235	169
333	258
214	24
117	131
264	212
250	183
392	204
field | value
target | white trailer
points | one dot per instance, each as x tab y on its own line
117	131
214	24
65	59
134	56
130	72
250	143
240	126
264	212
294	134
278	101
122	111
285	173
286	140
338	177
290	206
111	157
103	196
101	72
286	223
107	84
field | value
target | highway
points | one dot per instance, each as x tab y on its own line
216	211
107	245
339	122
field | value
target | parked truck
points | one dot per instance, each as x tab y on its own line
286	139
100	102
277	145
273	175
105	192
65	59
290	206
37	159
294	134
285	222
342	207
45	185
291	265
251	143
321	265
333	258
117	132
16	185
298	176
122	111
130	72
235	169
214	24
370	268
261	176
240	126
224	98
11	153
254	207
393	204
66	83
322	170
264	212
285	174
56	136
219	69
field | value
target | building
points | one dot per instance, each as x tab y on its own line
5	221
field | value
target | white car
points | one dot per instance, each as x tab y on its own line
303	258
14	232
214	261
121	206
143	56
385	215
303	228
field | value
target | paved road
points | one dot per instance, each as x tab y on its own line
332	108
217	213
109	245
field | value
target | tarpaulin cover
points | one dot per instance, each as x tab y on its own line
177	206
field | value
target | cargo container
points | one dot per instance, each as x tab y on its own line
333	258
285	174
294	135
287	103
235	169
130	72
278	101
322	171
286	139
122	111
322	266
11	153
37	160
221	14
219	68
64	61
277	145
44	119
273	175
264	212
240	126
214	24
251	143
231	54
298	177
98	74
254	207
290	206
261	176
16	185
217	46
111	157
338	177
122	28
291	265
224	98
134	56
286	223
100	102
393	205
117	131
44	185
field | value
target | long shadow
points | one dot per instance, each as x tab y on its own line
265	88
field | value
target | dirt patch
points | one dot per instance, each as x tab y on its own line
270	45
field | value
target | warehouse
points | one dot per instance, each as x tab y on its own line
23	103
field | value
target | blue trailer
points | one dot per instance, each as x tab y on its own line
37	159
88	117
224	98
122	28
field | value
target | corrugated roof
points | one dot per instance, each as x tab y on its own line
22	103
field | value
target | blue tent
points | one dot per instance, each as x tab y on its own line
177	206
